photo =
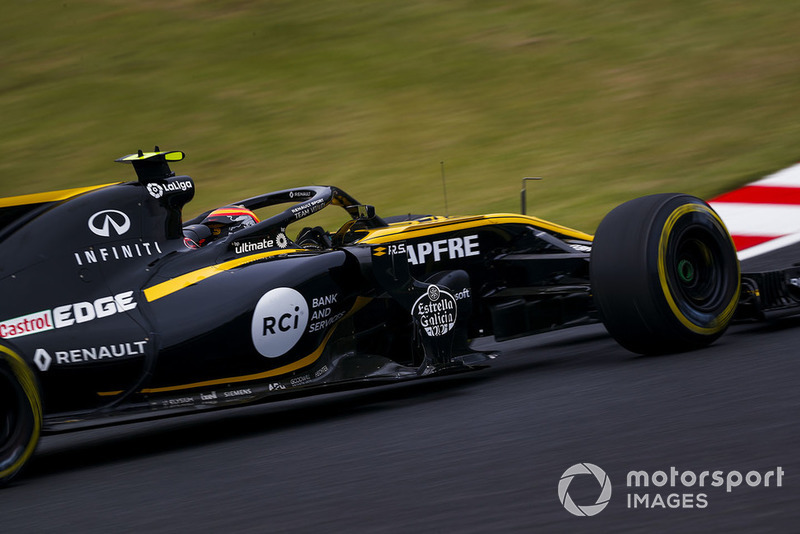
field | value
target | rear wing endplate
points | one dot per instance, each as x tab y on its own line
152	166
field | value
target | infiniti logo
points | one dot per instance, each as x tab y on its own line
106	222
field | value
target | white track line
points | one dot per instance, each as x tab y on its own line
769	246
788	177
759	219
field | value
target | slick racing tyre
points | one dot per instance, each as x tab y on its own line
664	274
20	414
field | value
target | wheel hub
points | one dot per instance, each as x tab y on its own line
686	271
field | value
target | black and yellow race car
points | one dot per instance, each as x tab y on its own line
114	308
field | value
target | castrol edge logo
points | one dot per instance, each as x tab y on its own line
67	315
279	320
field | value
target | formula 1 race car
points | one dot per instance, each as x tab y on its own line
115	309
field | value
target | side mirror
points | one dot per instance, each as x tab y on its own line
365	211
361	213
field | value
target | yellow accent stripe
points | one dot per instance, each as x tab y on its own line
720	321
169	155
50	196
410	231
185	280
299	364
28	382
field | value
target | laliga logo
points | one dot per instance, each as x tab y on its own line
102	223
584	469
158	190
155	190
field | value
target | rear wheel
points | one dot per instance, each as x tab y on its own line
664	273
20	414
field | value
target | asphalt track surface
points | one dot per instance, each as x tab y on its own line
479	452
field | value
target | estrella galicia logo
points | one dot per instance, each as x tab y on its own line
436	311
584	469
107	222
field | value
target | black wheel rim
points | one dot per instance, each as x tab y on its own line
697	270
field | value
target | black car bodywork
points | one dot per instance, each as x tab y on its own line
108	316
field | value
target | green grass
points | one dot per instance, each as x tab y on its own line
605	100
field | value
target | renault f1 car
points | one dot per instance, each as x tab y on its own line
108	316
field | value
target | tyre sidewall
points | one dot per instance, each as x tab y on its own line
27	417
633	271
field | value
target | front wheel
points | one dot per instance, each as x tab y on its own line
664	274
20	414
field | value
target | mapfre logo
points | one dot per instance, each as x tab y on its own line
279	321
109	222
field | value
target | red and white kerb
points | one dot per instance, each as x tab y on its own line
763	215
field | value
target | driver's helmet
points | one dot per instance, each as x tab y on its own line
223	221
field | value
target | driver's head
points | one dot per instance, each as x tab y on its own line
229	219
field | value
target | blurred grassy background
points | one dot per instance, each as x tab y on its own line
605	100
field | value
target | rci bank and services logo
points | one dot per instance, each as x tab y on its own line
602	480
